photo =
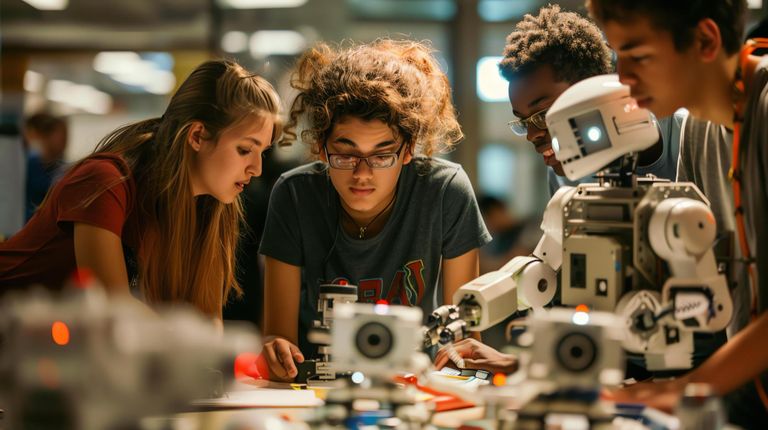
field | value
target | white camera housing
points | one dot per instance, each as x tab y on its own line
576	349
378	340
596	121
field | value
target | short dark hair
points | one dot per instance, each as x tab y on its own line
570	43
487	203
44	123
679	17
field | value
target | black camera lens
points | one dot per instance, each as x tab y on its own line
576	352
374	340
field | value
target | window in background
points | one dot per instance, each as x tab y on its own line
491	86
495	167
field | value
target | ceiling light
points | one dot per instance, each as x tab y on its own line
260	4
115	62
276	42
48	4
83	97
33	81
234	41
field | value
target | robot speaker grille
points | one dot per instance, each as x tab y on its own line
374	340
576	352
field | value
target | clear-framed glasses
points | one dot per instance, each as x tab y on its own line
519	126
375	161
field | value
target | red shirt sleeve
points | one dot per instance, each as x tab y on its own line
96	193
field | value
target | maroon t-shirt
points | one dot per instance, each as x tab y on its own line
43	251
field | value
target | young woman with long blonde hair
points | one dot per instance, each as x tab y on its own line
154	210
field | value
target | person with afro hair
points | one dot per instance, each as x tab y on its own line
547	53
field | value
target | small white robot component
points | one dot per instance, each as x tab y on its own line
320	371
375	343
573	355
638	247
379	340
576	349
88	362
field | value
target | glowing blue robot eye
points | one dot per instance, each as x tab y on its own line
594	134
555	145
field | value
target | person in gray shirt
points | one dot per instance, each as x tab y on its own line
687	54
377	211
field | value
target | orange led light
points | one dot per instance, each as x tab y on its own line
499	379
582	308
60	333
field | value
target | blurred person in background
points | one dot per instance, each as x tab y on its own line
155	210
12	173
46	139
511	236
377	211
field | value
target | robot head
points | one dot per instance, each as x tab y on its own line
378	340
594	122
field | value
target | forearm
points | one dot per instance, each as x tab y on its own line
281	299
280	318
740	360
101	252
457	272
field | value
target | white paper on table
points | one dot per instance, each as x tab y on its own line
263	398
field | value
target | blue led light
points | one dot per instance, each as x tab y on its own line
594	134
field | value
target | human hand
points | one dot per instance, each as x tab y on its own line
664	395
478	355
280	354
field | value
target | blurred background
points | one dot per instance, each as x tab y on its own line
101	64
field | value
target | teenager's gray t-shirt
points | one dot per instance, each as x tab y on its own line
705	159
743	405
435	216
754	163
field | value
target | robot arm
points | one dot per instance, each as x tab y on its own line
681	231
524	282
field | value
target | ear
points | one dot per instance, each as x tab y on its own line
408	154
323	157
195	135
708	40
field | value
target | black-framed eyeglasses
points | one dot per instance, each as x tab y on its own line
375	161
519	126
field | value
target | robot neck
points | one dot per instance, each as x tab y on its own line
620	173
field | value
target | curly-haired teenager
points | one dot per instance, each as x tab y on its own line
155	210
686	53
377	210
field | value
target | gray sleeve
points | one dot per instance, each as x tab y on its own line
281	239
463	226
552	181
685	162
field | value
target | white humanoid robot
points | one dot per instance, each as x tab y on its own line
640	247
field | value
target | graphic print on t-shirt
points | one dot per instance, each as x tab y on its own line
407	286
